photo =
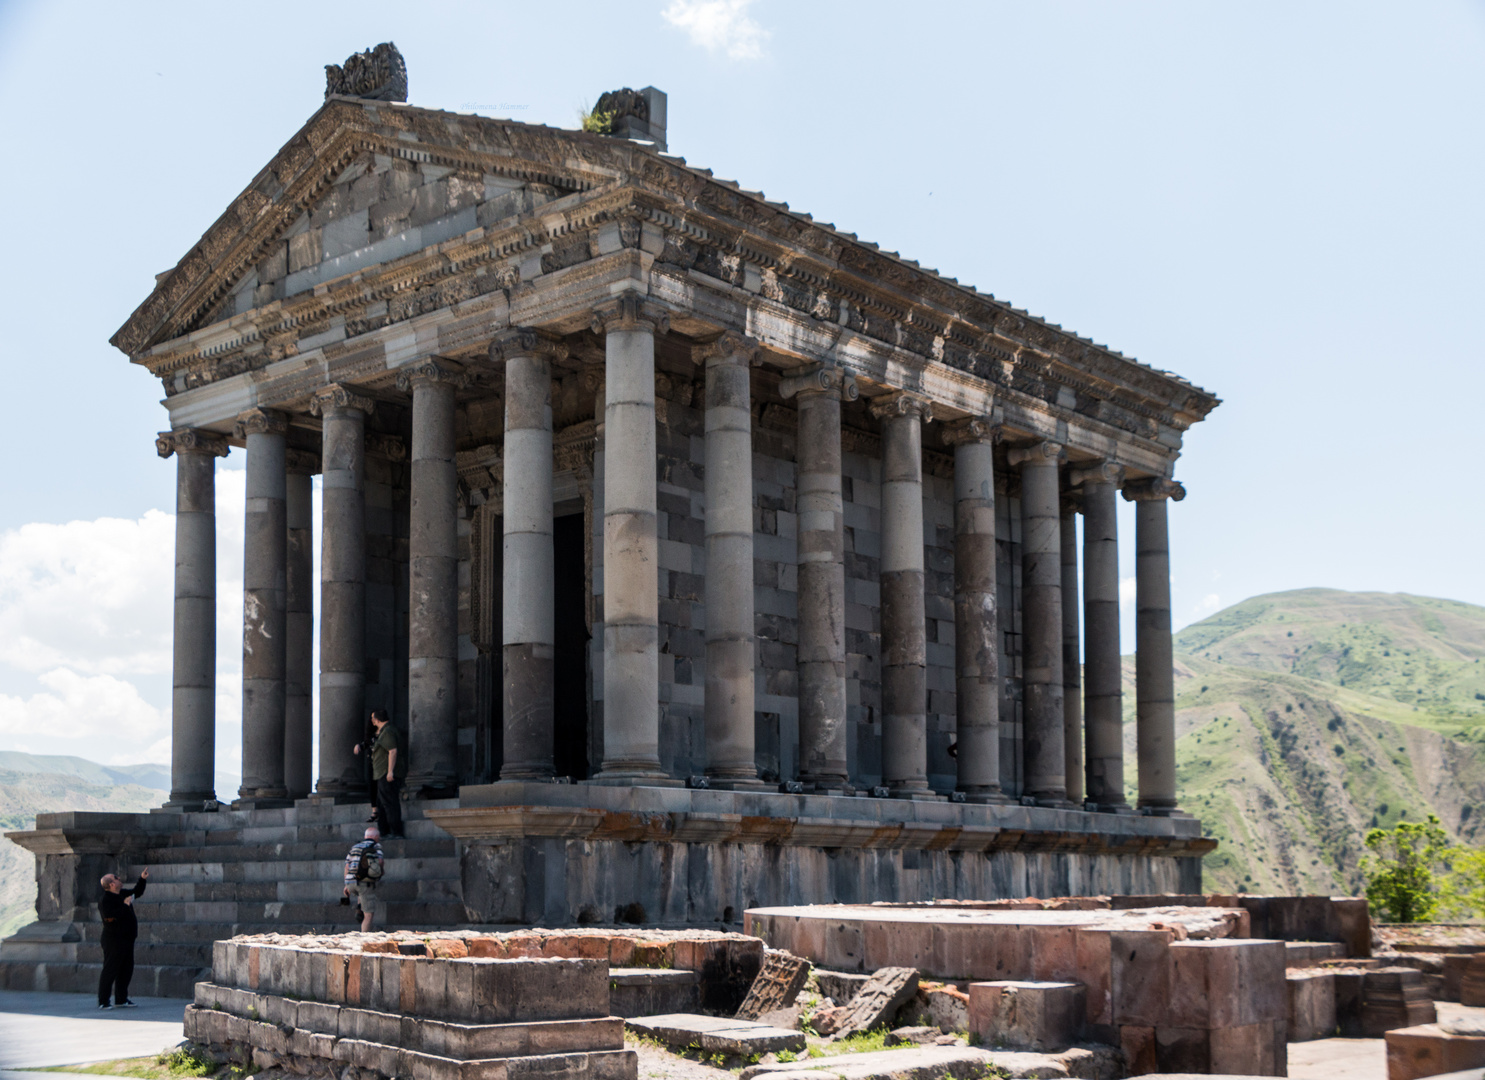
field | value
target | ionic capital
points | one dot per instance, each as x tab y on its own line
260	422
820	379
902	403
432	369
1152	488
336	397
973	429
191	441
301	462
731	348
522	341
1102	472
1042	453
628	311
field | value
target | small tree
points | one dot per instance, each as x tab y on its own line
1403	870
1463	891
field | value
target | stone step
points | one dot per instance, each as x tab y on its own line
423	847
717	1034
82	978
408	867
323	890
652	991
440	913
460	1041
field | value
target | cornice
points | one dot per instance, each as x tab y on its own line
833	275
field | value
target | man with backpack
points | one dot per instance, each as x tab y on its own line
364	866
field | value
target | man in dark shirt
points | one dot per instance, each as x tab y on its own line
386	750
120	928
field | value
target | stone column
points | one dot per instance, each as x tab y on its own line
193	713
729	563
342	415
1072	681
528	619
1041	622
433	557
264	583
1154	675
822	575
299	628
904	628
976	625
1103	696
631	583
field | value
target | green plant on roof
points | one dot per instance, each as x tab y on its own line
599	123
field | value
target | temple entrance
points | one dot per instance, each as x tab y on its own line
570	703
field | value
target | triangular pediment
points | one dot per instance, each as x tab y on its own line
364	183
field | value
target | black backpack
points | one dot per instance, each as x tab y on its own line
368	866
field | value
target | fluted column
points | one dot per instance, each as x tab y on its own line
631	583
822	575
904	627
1154	675
342	415
976	623
1041	622
299	619
264	584
433	565
1103	695
1072	682
194	668
528	616
729	562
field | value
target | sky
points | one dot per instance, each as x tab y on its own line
1279	201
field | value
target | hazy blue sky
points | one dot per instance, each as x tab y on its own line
1279	201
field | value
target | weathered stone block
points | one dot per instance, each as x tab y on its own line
1250	1050
1312	1012
778	983
1027	1015
1140	976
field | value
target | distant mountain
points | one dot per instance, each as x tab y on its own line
33	784
1307	717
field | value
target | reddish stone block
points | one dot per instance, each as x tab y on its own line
621	952
407	996
654	954
489	948
255	961
384	947
1029	1015
1139	962
1250	1050
1428	1050
1140	1052
448	948
1183	1049
1053	953
1092	951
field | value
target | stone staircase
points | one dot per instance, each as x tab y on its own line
213	876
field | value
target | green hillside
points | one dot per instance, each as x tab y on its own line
1305	718
31	785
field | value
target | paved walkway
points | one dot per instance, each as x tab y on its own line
1338	1059
67	1029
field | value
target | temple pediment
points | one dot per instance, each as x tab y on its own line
377	212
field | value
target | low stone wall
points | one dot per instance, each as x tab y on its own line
433	1007
1179	989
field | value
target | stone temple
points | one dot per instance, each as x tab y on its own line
707	556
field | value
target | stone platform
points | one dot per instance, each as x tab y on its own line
1177	988
316	1005
558	855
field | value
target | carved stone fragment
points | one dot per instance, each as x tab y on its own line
378	74
776	986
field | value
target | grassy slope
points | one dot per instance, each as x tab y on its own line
1305	718
24	794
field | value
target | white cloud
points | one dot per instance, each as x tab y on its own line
1210	602
86	614
1127	592
719	25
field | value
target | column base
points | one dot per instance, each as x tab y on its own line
188	802
431	789
827	785
335	798
918	795
1058	804
988	798
734	784
262	802
1109	808
634	779
1163	811
341	791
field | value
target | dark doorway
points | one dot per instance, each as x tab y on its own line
571	661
